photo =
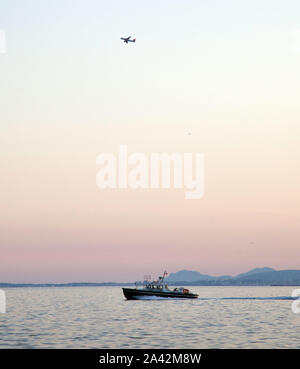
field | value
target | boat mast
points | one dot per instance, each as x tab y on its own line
163	278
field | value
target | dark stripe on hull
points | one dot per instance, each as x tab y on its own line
134	294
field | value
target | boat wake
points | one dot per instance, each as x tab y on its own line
250	298
271	298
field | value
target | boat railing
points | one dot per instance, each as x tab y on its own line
148	283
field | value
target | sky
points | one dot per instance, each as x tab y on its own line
214	77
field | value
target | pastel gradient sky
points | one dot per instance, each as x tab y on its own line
227	72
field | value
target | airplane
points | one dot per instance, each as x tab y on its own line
127	39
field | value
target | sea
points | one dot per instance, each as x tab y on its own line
101	318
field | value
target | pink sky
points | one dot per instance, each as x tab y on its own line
58	226
71	90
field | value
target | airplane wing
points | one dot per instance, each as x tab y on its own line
125	39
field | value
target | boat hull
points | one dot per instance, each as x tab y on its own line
136	294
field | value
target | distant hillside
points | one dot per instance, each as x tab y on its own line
255	271
284	277
192	276
257	276
188	276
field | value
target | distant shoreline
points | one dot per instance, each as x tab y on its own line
255	277
203	284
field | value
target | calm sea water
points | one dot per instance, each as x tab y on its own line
100	317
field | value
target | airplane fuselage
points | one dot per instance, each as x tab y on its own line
126	40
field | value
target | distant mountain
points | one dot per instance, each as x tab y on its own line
257	276
255	271
192	276
188	276
284	277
